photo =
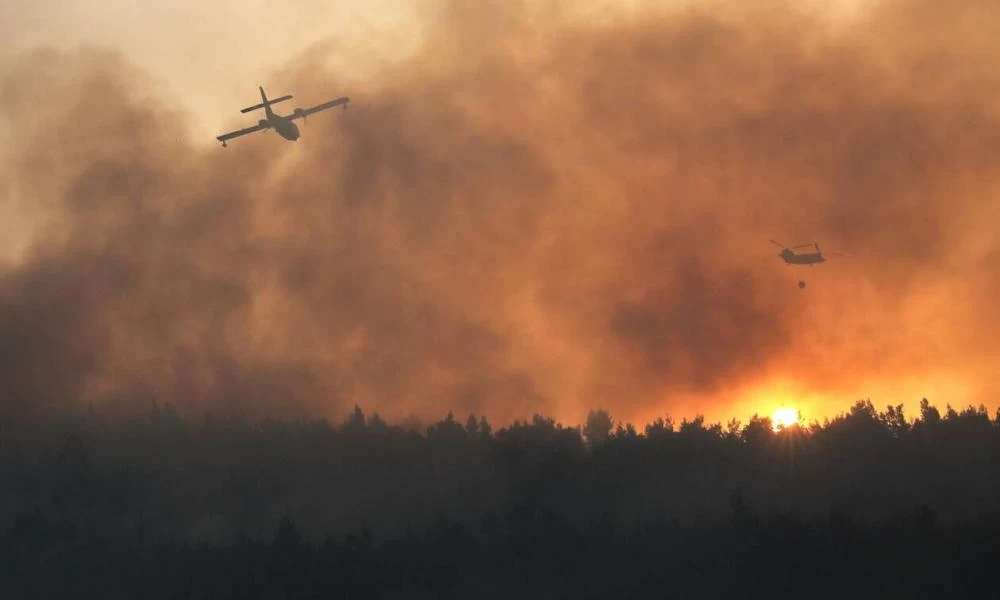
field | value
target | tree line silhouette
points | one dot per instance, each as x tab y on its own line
868	504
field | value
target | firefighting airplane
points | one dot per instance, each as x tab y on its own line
283	125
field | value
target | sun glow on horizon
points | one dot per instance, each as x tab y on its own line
784	417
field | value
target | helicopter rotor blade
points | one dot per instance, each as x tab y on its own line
801	246
782	246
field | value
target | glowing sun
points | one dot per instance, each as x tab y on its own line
784	417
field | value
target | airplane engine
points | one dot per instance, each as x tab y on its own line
263	123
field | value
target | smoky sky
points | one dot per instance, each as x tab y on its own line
532	213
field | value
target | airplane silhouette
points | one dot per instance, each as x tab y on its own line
283	125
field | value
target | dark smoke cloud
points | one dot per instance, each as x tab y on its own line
528	215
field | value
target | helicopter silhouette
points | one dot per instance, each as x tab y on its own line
804	258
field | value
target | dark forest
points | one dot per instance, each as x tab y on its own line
868	504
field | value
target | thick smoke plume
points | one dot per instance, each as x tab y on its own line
533	213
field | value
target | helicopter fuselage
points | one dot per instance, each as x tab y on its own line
810	258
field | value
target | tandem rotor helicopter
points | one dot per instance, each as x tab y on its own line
282	125
804	258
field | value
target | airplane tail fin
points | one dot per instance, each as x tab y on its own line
264	101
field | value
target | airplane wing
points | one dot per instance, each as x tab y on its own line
234	134
305	112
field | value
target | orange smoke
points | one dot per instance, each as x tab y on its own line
524	217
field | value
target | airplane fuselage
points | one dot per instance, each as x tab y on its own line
284	127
